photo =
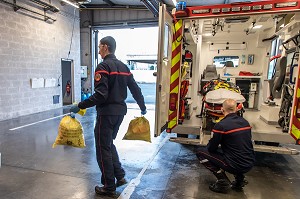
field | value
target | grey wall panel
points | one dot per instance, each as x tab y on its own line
86	56
32	48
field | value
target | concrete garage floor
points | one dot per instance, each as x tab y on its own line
31	169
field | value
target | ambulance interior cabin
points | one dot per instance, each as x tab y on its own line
256	54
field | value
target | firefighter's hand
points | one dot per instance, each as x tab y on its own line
144	112
75	109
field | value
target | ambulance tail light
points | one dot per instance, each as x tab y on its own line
298	142
173	101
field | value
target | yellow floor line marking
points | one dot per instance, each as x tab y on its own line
38	122
127	192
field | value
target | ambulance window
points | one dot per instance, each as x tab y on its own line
275	50
166	41
228	61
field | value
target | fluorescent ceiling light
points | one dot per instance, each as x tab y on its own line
174	2
257	26
69	2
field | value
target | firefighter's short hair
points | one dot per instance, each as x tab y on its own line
110	42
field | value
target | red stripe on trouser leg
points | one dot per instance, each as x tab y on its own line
213	157
99	143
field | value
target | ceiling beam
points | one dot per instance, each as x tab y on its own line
107	7
151	7
109	2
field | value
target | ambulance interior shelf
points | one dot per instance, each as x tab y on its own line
250	88
185	99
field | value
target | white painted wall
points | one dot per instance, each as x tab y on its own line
32	48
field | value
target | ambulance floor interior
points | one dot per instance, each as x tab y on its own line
32	169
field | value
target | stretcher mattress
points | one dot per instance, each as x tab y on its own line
220	95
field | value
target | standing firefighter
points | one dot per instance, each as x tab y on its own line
112	77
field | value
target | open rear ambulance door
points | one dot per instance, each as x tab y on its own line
164	57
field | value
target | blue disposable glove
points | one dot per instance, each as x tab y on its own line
144	112
74	109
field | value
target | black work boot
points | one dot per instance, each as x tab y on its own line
239	182
221	175
121	182
104	192
222	185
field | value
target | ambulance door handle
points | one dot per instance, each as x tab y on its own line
159	88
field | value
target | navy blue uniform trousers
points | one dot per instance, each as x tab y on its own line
214	161
106	130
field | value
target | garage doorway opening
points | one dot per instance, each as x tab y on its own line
137	48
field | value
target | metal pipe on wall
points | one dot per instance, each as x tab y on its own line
46	5
17	7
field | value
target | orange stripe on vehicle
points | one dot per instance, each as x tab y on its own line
175	70
176	46
174	87
296	132
175	62
172	123
173	114
178	30
295	123
175	77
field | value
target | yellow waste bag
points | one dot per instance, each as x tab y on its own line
138	129
70	132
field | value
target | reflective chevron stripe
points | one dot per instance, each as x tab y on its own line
175	72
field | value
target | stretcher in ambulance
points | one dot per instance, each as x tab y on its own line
246	51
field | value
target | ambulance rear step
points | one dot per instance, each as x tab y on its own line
259	148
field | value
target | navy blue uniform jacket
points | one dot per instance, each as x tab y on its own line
234	134
112	77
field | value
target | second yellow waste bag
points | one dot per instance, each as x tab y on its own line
138	129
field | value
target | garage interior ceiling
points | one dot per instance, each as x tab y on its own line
97	4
